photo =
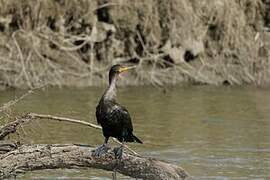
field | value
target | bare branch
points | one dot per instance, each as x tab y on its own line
76	121
13	126
13	102
57	118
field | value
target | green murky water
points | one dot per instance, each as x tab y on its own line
213	133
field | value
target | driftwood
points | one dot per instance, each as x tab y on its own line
15	159
37	157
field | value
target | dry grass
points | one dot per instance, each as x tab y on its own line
65	43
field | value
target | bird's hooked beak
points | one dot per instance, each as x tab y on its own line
124	69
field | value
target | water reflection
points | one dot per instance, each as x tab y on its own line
214	133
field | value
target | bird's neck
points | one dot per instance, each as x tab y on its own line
110	93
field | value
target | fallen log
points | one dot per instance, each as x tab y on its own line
15	158
44	156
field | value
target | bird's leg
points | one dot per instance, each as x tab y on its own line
118	151
101	149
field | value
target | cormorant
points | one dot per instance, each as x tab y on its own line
114	118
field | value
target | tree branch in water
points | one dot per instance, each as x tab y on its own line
15	159
44	156
12	127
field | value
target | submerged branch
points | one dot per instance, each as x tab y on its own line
38	157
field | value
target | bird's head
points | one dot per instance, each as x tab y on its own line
117	69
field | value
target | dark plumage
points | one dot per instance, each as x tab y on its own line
114	118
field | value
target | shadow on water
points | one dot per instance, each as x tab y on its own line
212	132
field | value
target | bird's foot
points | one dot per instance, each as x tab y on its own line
100	150
118	152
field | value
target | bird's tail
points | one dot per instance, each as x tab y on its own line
136	139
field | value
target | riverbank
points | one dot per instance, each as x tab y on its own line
73	43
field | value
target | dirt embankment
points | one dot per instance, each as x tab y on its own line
74	42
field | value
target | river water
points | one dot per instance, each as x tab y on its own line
212	132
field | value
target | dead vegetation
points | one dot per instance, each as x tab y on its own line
73	43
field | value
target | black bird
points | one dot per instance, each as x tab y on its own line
114	118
